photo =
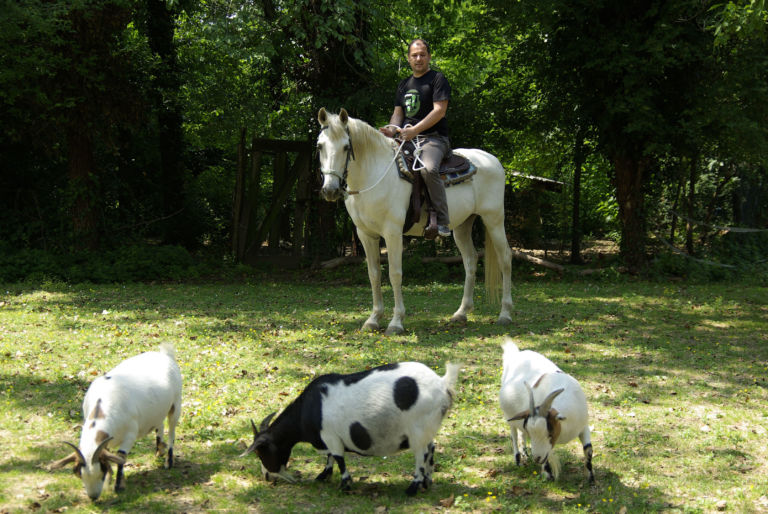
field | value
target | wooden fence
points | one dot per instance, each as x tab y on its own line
291	168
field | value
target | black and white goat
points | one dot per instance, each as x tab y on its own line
545	405
128	402
375	412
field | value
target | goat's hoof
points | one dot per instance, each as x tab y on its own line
413	488
346	485
323	476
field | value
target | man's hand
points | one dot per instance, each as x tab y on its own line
389	130
408	133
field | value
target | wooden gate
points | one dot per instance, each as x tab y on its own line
249	230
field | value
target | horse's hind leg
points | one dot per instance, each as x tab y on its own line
373	259
463	237
496	237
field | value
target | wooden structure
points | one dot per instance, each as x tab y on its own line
291	167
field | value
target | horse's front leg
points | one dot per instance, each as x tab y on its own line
463	237
395	256
373	259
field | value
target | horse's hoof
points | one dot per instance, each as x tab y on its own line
370	326
394	330
504	321
458	319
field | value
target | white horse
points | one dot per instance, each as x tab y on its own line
357	162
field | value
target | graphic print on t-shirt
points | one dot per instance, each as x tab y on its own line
412	102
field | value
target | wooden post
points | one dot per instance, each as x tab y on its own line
237	204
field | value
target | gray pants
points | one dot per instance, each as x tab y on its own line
432	152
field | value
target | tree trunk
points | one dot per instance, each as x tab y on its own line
673	224
160	31
578	162
630	197
83	187
691	206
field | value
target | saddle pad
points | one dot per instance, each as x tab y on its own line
453	170
456	169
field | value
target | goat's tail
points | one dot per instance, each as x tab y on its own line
510	352
451	375
169	350
449	380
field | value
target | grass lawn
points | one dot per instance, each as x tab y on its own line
675	375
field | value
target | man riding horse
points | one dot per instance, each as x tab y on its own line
421	103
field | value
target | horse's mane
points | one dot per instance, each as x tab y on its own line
364	137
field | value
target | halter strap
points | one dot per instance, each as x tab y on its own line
350	156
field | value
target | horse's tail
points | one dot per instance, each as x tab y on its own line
492	271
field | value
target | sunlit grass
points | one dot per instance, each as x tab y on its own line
675	376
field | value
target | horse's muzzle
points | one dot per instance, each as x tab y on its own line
330	194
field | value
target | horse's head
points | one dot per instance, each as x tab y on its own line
334	150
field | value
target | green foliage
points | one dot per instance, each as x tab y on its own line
659	82
739	19
127	264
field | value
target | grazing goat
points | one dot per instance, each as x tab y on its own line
375	412
127	403
530	379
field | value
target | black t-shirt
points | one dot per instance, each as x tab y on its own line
417	96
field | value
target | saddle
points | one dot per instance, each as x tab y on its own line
454	169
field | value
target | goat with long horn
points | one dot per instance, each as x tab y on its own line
128	402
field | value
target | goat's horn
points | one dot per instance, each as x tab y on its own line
77	451
547	403
99	449
265	422
532	408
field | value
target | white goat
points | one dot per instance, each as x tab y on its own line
128	402
530	379
380	411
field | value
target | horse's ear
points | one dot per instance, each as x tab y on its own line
322	116
343	116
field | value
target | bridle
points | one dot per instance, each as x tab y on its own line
350	157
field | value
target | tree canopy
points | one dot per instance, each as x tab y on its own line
122	118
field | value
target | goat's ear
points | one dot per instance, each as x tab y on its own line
63	462
520	415
111	457
322	116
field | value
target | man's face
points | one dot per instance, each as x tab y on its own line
418	58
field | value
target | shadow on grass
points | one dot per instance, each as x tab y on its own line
38	393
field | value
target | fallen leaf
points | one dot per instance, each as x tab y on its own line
447	502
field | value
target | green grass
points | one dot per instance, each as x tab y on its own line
675	375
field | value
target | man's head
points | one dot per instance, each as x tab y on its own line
419	57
